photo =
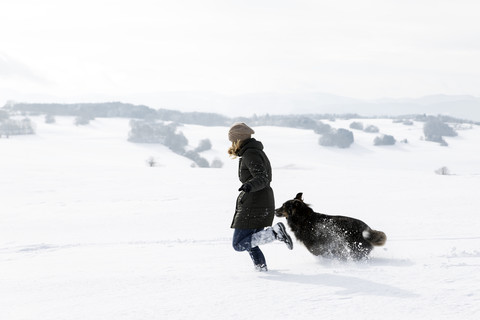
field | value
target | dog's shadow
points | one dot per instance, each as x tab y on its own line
349	285
389	262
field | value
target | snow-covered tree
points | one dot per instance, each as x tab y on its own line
384	140
435	130
341	138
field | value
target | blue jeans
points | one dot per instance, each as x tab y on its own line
242	241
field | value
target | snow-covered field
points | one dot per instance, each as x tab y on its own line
89	231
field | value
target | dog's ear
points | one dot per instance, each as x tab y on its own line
299	196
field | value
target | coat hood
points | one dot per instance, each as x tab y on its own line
251	143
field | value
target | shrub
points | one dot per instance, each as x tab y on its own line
322	128
435	130
202	162
151	162
371	129
204	145
442	171
341	138
356	125
327	140
176	142
384	140
82	120
199	161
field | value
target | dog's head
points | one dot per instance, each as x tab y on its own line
290	207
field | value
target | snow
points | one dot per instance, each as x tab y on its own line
89	231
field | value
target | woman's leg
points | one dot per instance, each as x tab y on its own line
242	241
257	257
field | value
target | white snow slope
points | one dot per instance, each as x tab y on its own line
89	231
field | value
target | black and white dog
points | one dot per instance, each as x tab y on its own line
329	236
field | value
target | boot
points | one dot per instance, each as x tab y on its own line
281	234
261	267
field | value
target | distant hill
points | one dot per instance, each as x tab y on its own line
460	106
246	105
465	107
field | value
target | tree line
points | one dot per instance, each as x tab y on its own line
146	127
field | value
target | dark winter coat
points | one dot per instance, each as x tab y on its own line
254	209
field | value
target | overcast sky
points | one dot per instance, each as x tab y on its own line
90	50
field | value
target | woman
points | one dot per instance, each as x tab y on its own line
255	207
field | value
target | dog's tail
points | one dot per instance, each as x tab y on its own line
376	238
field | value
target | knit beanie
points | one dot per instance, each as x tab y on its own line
240	131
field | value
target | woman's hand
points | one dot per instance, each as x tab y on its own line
247	187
